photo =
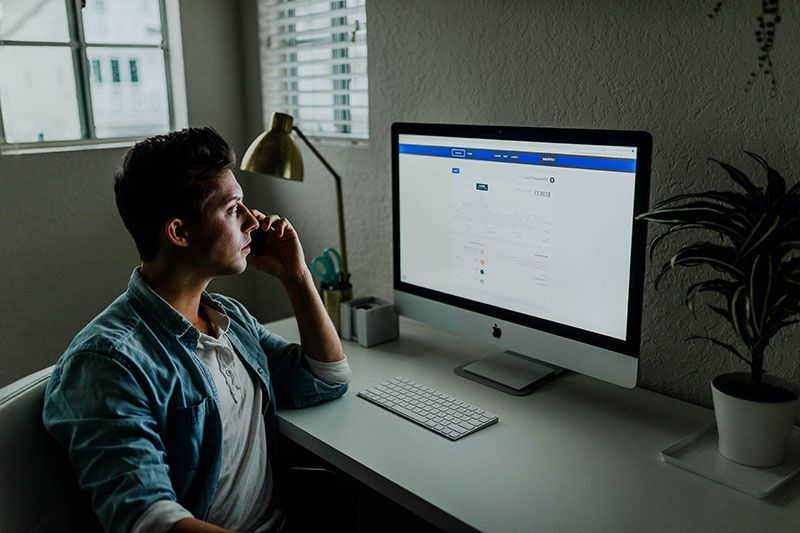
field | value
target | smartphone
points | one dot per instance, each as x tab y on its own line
258	241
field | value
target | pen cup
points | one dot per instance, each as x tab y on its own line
331	298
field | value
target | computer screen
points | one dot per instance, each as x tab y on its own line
525	238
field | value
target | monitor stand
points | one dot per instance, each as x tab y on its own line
509	372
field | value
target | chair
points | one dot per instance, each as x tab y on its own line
38	489
39	492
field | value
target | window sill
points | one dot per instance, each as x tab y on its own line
337	141
36	148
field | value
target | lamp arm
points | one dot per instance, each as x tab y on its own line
339	202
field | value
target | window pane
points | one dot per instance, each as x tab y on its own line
29	20
37	94
129	91
122	21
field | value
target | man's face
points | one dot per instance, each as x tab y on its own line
219	241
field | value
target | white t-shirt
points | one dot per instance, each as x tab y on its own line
244	491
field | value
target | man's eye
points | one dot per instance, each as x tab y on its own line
234	210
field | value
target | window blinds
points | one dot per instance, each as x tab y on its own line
314	64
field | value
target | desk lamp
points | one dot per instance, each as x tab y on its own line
274	153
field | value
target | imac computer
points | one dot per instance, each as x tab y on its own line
524	238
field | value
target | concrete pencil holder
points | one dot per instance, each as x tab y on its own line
368	321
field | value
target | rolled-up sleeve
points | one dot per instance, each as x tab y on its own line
160	517
98	410
332	372
294	383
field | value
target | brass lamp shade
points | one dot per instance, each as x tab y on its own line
274	152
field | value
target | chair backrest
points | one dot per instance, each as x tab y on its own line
38	491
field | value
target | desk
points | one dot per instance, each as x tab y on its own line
576	455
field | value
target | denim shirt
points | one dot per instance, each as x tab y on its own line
137	411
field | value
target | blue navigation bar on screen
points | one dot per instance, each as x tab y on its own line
524	158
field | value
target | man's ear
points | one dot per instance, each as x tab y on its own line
176	232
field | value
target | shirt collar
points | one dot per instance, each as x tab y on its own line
166	315
219	320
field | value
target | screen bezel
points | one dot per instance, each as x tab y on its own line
630	346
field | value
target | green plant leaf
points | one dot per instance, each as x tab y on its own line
731	200
777	309
789	269
776	185
754	193
760	287
739	309
716	219
787	205
791	229
760	233
658	239
683	215
718	257
720	286
664	271
786	247
729	347
794	189
787	303
721	311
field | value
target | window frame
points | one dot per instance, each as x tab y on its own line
170	46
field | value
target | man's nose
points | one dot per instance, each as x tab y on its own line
251	222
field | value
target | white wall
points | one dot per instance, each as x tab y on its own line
664	67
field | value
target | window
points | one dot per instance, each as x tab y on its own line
64	79
115	71
314	64
97	74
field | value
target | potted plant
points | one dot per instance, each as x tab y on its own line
753	282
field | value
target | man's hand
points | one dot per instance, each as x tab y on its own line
283	255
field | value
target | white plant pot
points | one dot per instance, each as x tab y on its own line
753	433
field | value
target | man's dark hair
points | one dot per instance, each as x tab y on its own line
168	176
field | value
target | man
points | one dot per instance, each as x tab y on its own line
166	401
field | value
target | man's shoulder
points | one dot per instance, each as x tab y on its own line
113	327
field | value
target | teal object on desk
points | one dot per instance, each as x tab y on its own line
328	267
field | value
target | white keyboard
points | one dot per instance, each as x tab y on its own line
429	408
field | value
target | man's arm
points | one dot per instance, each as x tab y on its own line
283	258
317	334
111	438
193	525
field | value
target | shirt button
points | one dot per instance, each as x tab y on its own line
260	370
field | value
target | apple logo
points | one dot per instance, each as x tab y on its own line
496	332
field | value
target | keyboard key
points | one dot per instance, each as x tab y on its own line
411	414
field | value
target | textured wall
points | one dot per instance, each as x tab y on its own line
663	66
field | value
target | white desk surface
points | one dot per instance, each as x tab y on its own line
576	455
